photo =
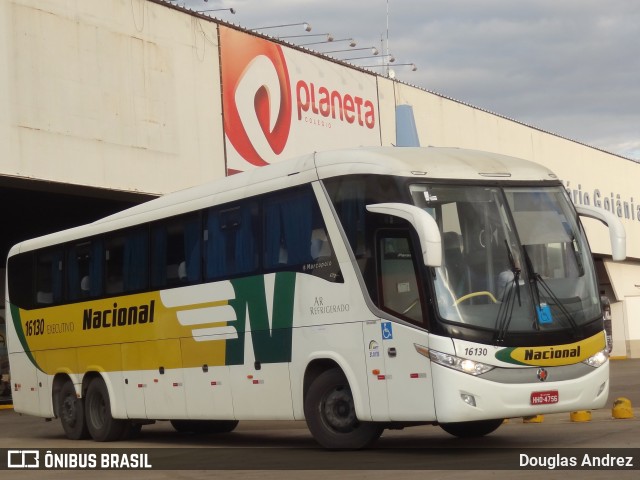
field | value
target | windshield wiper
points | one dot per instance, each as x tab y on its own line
536	281
515	268
511	291
577	256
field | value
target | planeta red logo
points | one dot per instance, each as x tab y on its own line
256	95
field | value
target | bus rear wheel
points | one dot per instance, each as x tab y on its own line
331	416
70	409
204	426
102	426
478	428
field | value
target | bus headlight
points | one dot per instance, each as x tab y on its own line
598	359
461	364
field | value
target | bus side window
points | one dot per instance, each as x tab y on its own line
231	235
176	247
85	269
114	257
127	261
348	197
49	278
20	280
398	280
288	225
295	236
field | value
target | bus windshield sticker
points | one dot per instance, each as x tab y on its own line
430	198
544	314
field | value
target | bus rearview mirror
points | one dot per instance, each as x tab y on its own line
422	222
617	234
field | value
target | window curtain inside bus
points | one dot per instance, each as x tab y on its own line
135	268
96	268
73	274
216	247
231	242
354	211
273	234
349	199
288	230
159	261
56	276
192	253
245	255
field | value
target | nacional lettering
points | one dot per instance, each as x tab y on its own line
333	104
118	316
551	353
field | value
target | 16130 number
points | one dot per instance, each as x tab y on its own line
476	351
34	327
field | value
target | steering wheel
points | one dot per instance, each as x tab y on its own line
475	294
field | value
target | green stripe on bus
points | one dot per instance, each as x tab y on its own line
17	323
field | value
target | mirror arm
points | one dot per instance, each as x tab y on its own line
422	222
617	234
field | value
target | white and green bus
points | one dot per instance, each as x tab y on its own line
358	290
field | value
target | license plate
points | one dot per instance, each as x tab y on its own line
544	398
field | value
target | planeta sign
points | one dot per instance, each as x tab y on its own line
278	102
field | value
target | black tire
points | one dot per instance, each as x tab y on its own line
331	416
131	430
204	426
70	409
102	426
478	428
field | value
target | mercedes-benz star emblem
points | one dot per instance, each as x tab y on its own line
542	374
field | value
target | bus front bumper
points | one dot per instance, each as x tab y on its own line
460	397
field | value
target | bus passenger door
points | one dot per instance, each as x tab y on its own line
408	373
407	370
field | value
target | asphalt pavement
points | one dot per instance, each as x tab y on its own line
625	380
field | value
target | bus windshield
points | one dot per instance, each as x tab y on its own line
514	259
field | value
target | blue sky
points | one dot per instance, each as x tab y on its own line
570	67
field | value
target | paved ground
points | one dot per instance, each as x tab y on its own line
625	380
285	450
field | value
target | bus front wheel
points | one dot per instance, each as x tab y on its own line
478	428
71	412
102	426
331	416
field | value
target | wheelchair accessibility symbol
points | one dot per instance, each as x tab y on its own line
387	331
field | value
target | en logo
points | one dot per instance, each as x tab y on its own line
226	311
271	343
256	95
